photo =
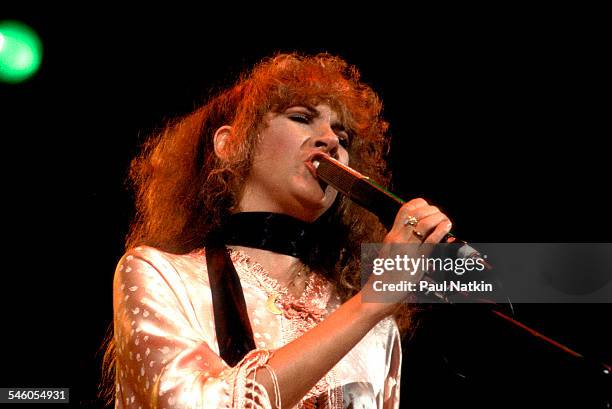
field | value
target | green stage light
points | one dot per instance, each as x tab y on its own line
20	51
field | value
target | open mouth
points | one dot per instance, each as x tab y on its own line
313	171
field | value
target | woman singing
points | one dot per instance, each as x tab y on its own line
240	286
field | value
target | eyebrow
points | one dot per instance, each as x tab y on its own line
336	124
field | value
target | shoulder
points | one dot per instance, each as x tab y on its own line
151	261
156	256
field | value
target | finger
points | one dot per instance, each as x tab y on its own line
414	204
407	209
424	212
441	230
429	223
423	227
403	236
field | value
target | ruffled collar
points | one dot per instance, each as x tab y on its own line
310	306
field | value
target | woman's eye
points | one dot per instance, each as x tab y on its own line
301	118
344	139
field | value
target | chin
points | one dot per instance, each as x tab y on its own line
313	200
324	201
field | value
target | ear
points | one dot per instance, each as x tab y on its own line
221	141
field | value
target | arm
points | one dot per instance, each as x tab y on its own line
301	363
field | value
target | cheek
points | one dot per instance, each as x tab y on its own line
277	159
278	146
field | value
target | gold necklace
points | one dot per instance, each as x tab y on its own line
275	295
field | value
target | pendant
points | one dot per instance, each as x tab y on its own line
271	305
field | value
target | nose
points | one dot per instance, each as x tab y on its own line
328	142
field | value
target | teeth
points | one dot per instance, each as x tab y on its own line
315	163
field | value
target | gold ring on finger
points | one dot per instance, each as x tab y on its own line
411	220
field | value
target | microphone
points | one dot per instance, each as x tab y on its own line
376	199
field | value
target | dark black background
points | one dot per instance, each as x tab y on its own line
499	117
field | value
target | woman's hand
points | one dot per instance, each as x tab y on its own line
416	223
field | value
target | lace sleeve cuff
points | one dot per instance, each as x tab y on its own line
246	391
